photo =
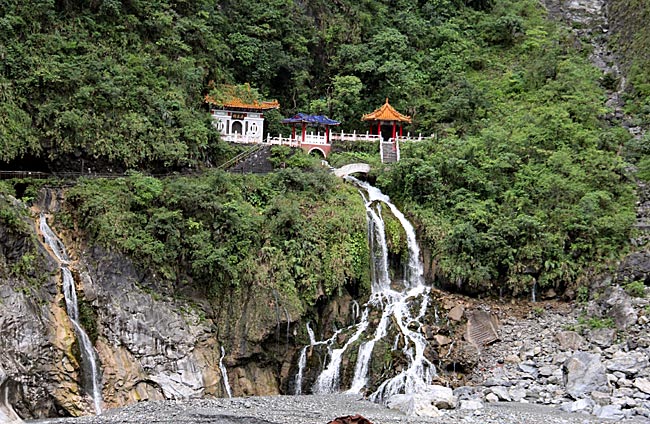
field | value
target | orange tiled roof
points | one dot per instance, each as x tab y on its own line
386	113
237	103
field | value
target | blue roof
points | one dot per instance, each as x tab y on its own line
310	120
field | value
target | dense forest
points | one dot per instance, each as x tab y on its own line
524	183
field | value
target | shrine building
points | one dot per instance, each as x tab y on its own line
240	121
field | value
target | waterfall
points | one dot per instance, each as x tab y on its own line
88	354
224	374
302	360
302	363
533	292
395	307
328	380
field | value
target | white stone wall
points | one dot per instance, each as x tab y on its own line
239	127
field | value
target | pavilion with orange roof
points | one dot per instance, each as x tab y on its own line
387	117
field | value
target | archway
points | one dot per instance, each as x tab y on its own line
236	128
317	151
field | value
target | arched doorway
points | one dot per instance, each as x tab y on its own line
317	152
236	128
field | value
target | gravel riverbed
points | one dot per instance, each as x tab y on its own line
318	410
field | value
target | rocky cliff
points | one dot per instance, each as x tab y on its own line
152	343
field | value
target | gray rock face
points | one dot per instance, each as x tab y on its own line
584	373
602	337
642	384
635	267
7	413
150	345
629	363
618	305
569	340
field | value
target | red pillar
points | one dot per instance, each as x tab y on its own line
293	131
379	128
400	129
394	131
304	130
371	128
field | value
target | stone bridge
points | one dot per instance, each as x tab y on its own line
352	168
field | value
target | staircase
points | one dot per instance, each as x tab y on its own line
256	161
389	152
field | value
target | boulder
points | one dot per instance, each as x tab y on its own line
609	412
635	266
465	392
442	340
629	363
414	404
502	393
584	373
580	405
569	340
441	397
517	394
601	398
470	405
603	337
546	371
491	398
529	368
456	313
617	304
642	384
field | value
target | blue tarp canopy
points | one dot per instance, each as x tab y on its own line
310	120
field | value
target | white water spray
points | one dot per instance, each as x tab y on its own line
88	354
396	310
328	380
224	373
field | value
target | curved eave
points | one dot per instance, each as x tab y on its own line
386	113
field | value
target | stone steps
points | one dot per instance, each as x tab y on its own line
388	154
256	163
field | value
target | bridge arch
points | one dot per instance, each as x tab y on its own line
317	150
353	168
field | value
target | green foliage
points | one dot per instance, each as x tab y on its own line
300	232
582	295
596	323
524	184
635	288
284	156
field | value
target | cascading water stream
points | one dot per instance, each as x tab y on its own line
328	380
88	354
224	373
395	307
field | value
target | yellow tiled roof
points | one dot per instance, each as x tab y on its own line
237	103
232	99
386	113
